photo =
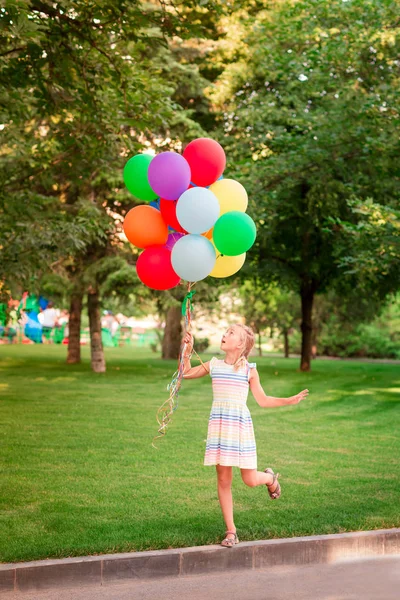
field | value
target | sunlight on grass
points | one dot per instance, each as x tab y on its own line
79	474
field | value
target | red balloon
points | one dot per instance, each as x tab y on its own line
154	268
207	161
168	213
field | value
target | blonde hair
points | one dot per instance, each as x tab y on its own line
247	336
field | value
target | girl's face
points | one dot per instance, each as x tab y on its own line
232	339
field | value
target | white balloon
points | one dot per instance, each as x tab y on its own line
193	257
197	210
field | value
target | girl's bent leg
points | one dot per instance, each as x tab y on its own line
252	477
224	480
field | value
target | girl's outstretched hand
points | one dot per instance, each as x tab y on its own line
298	397
188	340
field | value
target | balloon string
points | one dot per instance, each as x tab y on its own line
166	410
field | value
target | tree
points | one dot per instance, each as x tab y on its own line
286	316
256	308
310	119
371	247
81	93
93	277
266	306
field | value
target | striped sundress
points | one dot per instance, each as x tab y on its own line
230	437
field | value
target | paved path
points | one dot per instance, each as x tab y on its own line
364	579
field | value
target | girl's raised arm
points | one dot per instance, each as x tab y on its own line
196	372
190	372
270	401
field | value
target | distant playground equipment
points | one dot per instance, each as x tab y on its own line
22	321
34	330
31	304
10	320
7	331
22	324
115	333
128	336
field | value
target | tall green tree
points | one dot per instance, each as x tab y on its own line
310	123
370	247
266	306
84	86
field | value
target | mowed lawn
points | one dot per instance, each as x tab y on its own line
79	474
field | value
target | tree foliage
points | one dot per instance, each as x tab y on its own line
310	120
84	85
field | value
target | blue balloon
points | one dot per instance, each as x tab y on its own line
207	186
43	303
197	210
33	329
155	203
193	257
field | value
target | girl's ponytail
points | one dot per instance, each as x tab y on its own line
248	344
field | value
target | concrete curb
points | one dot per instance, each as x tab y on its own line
179	562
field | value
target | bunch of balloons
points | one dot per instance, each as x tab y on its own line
194	224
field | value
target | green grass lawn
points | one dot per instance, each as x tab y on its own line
79	474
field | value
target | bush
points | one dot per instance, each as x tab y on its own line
370	341
365	340
201	344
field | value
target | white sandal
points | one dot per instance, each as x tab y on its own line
229	542
277	491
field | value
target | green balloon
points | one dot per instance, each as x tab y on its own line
135	177
234	233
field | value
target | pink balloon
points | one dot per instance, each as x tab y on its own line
172	239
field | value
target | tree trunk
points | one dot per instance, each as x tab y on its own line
286	341
314	343
307	297
74	328
258	332
172	333
98	362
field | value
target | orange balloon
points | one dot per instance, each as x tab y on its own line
144	226
208	234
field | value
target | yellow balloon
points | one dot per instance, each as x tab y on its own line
231	195
227	265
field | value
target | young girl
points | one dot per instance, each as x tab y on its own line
230	439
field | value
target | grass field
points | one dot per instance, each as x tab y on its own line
79	475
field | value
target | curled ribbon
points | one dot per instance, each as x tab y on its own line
187	299
166	410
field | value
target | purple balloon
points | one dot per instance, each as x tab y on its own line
169	175
172	239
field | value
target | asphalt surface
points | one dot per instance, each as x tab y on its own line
376	578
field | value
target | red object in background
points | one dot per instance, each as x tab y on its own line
81	342
207	161
155	270
168	213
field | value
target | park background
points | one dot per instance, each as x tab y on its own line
303	97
